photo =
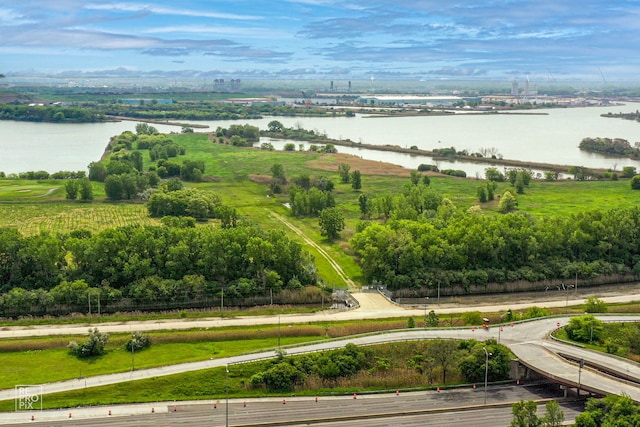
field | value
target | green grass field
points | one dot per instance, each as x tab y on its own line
241	176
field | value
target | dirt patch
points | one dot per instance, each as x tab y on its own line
260	179
330	162
23	191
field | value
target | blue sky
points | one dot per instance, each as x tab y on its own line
587	40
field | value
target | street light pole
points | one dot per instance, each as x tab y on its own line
486	373
580	365
226	406
566	304
133	365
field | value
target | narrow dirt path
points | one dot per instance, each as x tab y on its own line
334	264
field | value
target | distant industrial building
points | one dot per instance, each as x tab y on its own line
309	101
253	101
146	101
408	100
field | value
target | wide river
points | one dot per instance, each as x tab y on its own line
545	138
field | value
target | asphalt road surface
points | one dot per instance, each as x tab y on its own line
432	408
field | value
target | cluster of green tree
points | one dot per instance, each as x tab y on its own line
239	135
610	411
452	152
174	200
445	152
286	374
127	186
422	167
635	116
55	114
525	415
513	175
616	147
468	357
413	202
123	172
586	329
621	339
203	110
309	202
95	344
146	266
43	175
276	129
454	172
79	187
181	111
355	177
455	248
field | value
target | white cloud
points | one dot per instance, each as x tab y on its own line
260	33
9	17
159	10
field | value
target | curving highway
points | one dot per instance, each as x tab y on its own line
529	341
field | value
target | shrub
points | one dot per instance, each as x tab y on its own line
138	341
93	346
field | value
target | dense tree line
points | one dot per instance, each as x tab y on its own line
147	265
43	175
49	114
615	146
453	248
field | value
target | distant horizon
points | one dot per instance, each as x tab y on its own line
431	40
201	77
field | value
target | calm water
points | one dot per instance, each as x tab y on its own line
551	138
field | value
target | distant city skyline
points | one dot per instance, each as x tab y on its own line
586	40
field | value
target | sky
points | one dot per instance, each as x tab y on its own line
558	40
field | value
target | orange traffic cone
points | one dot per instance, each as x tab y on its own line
109	412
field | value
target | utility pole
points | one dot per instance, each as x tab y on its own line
226	406
486	373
